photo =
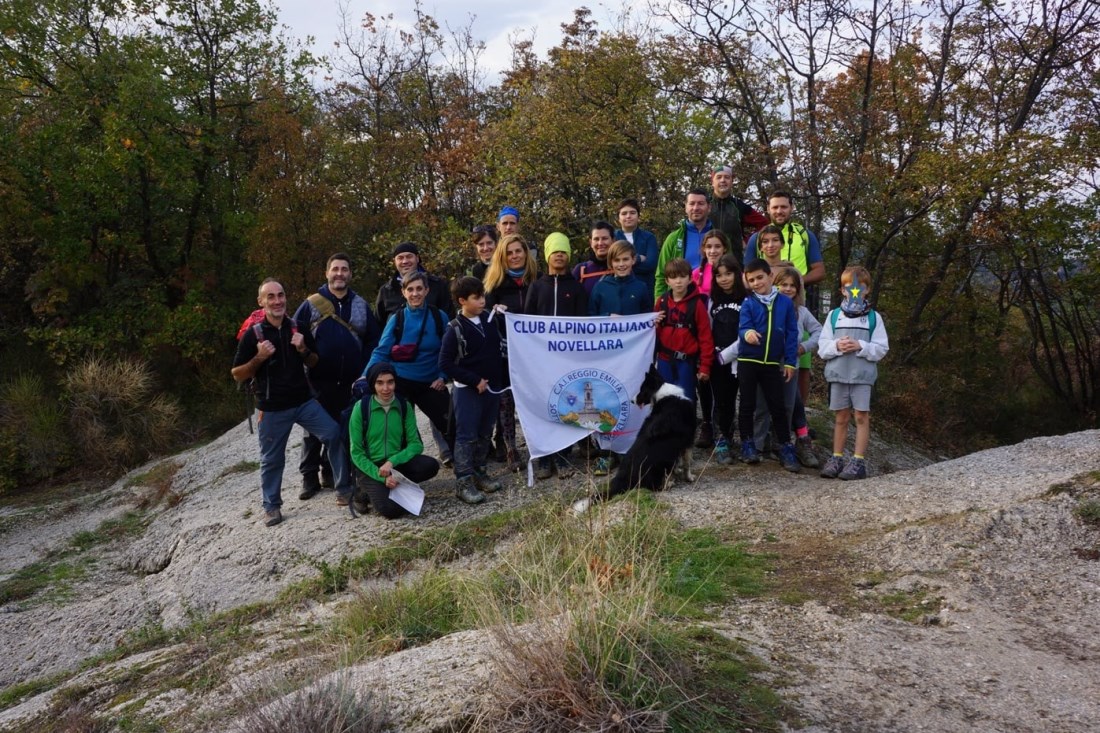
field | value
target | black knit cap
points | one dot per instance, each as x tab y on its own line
377	370
406	247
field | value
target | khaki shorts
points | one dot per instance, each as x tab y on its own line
849	396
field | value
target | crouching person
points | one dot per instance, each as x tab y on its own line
274	353
384	438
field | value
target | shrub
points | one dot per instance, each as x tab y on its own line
33	443
117	420
326	707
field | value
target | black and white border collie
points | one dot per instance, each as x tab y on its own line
665	438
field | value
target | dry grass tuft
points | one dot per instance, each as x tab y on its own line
583	663
116	417
332	706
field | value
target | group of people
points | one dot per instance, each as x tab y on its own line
731	320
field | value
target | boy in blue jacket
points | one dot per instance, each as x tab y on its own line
768	357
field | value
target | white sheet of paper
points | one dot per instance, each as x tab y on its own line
407	494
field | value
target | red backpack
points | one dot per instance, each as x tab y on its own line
255	322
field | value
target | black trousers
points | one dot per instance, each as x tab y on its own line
769	378
334	397
724	386
418	469
434	403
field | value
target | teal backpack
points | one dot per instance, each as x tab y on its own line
872	320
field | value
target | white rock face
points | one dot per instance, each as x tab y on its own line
1013	644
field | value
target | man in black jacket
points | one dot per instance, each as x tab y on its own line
275	353
406	260
346	333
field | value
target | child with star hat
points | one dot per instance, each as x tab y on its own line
853	341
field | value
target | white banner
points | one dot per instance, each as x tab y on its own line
572	377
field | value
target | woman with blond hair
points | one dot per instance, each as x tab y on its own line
507	281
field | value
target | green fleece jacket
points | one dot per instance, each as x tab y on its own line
387	439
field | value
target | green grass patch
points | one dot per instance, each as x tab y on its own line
414	612
129	524
438	545
60	568
1088	511
717	687
912	605
31	579
701	569
242	467
17	693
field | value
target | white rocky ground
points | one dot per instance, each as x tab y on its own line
1008	574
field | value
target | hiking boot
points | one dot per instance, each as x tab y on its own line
326	479
544	468
272	518
342	500
602	467
310	486
564	468
804	449
788	458
722	452
856	469
448	462
484	482
833	467
749	454
706	435
468	492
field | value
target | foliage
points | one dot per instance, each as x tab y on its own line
415	611
164	156
33	439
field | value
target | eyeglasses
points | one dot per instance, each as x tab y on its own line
483	229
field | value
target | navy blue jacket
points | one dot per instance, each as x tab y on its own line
342	355
645	245
482	359
778	329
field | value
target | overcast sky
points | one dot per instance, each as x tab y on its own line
494	20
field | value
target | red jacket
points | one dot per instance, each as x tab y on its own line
686	328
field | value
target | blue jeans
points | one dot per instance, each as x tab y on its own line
274	429
680	372
475	416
